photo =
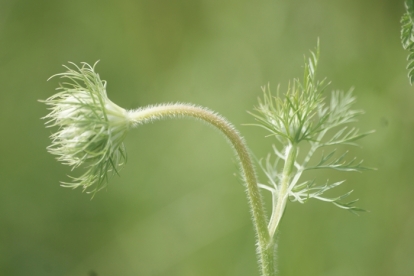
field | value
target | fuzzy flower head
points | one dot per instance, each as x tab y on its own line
91	127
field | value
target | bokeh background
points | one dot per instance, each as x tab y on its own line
179	207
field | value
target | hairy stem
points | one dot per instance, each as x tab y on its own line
282	196
265	245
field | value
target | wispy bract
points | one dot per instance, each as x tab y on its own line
304	115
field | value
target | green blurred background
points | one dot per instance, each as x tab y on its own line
178	207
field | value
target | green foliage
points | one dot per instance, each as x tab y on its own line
302	115
407	36
294	118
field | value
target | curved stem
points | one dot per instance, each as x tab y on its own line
265	244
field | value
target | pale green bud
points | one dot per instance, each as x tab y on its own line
91	127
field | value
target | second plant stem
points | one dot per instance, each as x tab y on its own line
280	198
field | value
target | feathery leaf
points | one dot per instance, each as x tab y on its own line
407	36
304	115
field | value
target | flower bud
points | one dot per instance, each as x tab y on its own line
91	127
